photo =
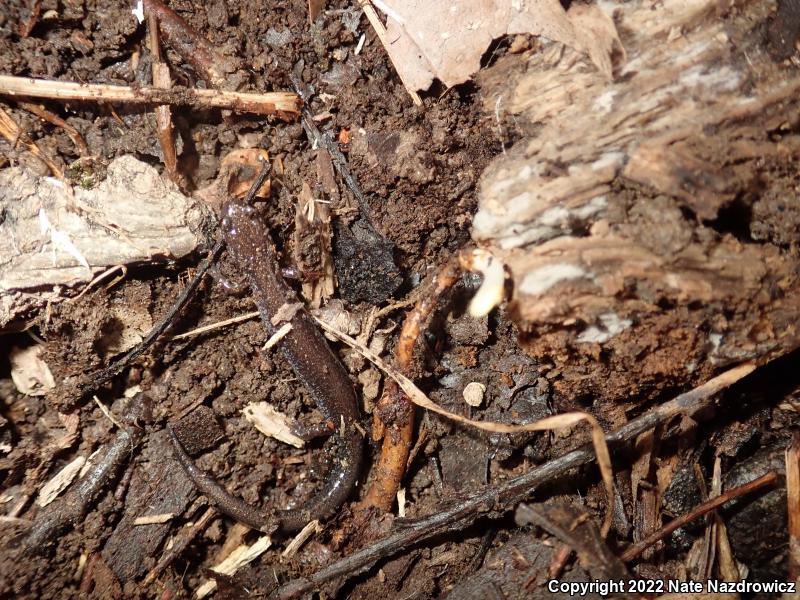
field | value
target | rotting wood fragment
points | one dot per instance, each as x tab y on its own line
158	486
627	220
132	216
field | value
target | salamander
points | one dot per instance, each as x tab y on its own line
312	360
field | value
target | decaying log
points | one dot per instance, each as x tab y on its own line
53	237
650	223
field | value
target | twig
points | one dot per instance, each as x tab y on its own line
284	105
179	544
321	140
12	132
700	510
103	375
513	491
25	28
190	45
75	135
377	25
164	129
793	506
68	509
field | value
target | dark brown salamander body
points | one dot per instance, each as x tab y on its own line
314	364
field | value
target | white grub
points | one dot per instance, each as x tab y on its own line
491	292
537	282
473	393
272	423
59	482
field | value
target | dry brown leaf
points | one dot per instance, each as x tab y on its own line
561	421
248	161
29	372
445	40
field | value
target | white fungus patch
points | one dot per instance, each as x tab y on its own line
610	325
537	282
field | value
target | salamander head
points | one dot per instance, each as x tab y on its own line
234	215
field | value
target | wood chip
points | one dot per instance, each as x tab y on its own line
278	336
154	519
59	483
272	423
235	561
301	538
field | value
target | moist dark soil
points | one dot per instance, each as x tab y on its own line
418	168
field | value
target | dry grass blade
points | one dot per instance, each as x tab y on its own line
218	325
74	134
11	131
562	421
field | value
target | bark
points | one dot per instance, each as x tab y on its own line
53	238
649	223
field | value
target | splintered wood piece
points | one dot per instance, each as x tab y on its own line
793	506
